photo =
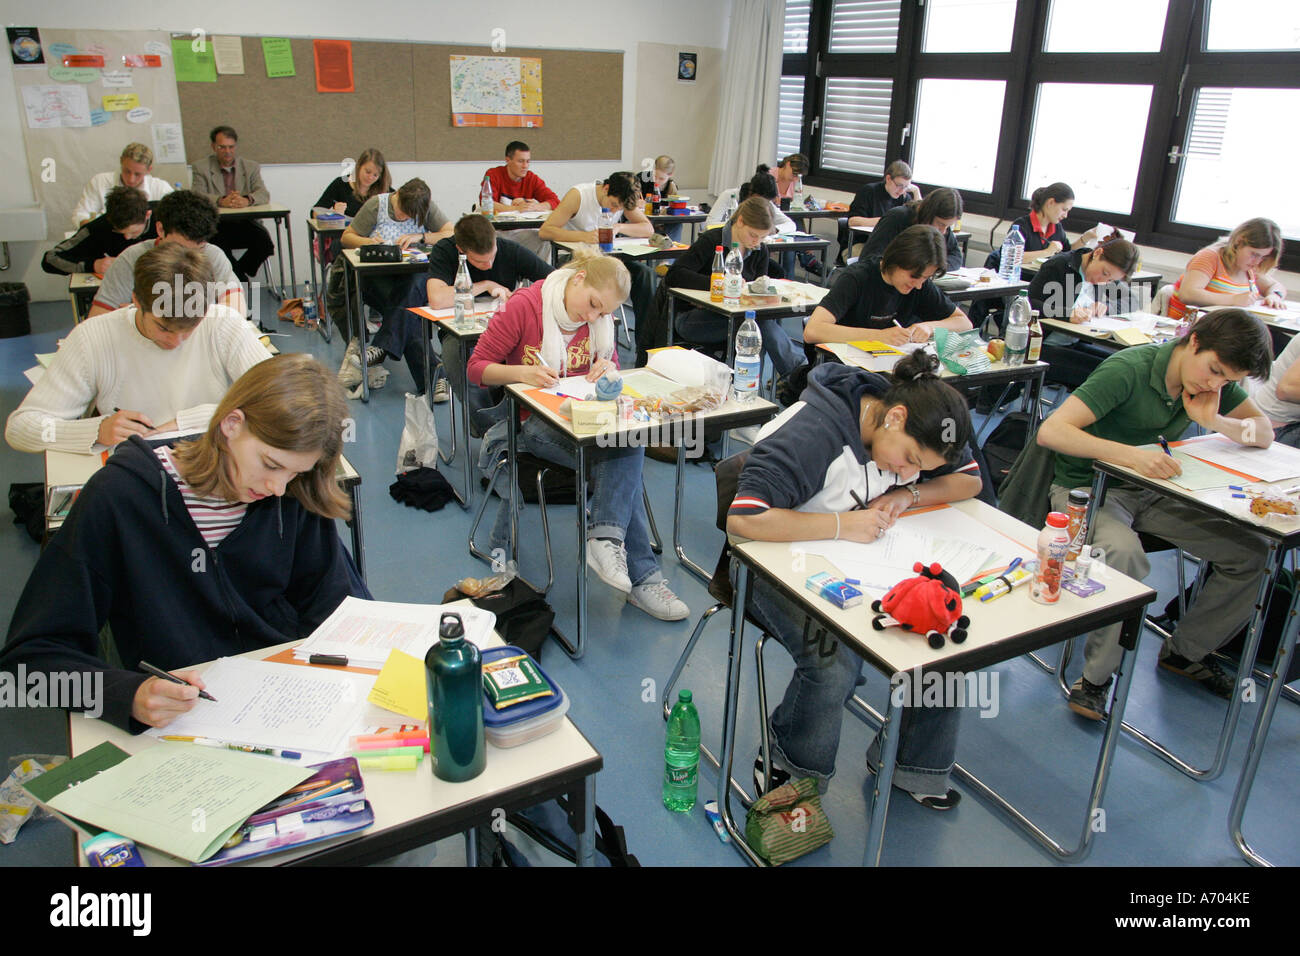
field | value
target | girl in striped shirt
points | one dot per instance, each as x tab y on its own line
1234	271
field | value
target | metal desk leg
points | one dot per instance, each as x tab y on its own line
512	453
576	648
730	701
360	314
879	807
587	834
358	541
685	562
1036	400
471	847
323	321
672	314
1281	663
464	428
288	233
281	292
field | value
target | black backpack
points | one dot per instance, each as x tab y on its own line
1005	444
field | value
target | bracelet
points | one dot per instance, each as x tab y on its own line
837	525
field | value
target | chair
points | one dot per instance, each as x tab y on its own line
1160	301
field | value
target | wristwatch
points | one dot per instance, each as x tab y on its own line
916	494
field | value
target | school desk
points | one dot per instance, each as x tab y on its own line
281	215
1280	536
414	808
1100	331
510	221
626	247
678	432
692	219
327	232
355	272
82	287
71	471
794	298
999	630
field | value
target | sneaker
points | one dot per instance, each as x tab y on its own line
350	371
936	801
1207	671
442	392
658	600
375	356
779	777
814	267
609	561
1088	699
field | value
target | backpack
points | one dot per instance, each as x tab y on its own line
542	836
1005	443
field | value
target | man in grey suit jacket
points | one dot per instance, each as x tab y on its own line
235	183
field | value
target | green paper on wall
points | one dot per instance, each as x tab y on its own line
192	67
279	56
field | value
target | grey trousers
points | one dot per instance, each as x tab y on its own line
1223	606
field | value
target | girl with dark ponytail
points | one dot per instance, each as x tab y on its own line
854	438
1043	228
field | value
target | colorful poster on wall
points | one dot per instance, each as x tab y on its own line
686	63
333	65
279	57
50	107
193	66
496	91
25	45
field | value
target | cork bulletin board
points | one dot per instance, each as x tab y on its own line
402	106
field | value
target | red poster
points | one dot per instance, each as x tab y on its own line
141	60
84	60
333	66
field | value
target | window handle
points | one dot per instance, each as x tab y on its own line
907	131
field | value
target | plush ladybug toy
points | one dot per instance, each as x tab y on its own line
928	604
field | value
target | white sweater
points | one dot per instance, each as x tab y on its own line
91	203
105	363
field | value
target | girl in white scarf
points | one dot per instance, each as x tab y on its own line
568	304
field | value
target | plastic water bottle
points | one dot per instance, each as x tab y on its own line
797	201
605	231
733	282
463	317
486	204
749	359
1018	330
310	317
715	278
682	755
1013	251
453	670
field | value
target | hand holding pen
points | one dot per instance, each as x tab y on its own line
159	701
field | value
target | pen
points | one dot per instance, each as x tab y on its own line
242	748
331	660
1165	445
908	331
860	505
162	674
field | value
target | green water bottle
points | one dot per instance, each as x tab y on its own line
682	755
453	671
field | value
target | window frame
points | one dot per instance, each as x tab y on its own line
1181	68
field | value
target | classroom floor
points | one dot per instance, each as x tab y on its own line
1035	751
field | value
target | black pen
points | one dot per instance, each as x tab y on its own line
860	506
1165	445
159	672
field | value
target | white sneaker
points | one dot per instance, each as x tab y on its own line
657	599
350	371
441	392
609	561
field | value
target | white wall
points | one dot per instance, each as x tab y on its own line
569	24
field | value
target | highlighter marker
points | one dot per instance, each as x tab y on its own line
388	763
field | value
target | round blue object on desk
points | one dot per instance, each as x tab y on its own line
609	387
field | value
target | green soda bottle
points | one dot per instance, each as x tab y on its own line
682	755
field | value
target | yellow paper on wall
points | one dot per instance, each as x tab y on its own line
116	102
400	686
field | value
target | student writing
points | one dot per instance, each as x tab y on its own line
97	244
941	209
370	178
1233	271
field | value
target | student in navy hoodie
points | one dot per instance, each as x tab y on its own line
207	548
894	444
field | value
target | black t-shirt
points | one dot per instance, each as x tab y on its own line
513	263
894	222
874	201
340	191
860	297
693	269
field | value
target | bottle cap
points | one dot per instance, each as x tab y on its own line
450	625
684	696
1080	496
717	249
1058	520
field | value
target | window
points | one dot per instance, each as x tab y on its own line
1227	162
857	125
1098	157
968	112
1253	25
864	26
968	26
1105	26
790	125
796	25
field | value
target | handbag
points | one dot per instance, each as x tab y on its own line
788	822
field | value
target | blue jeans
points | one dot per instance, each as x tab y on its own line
617	509
806	724
709	328
399	332
1288	434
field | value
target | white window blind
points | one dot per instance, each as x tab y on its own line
864	26
797	13
790	116
856	124
1209	122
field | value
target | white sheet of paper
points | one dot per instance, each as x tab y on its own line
51	107
168	143
365	631
1267	464
34	373
575	386
229	55
275	705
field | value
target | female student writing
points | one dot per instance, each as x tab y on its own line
370	177
892	296
207	548
752	222
561	327
941	209
1042	230
905	439
1233	271
1080	284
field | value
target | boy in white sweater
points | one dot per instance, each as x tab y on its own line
140	369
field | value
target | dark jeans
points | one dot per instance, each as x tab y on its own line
250	236
399	332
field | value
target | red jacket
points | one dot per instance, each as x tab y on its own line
514	337
530	187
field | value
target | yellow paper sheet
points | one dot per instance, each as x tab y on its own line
400	686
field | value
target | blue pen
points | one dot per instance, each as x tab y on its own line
1013	565
1165	445
1235	488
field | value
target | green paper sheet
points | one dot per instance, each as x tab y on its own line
180	798
1198	475
279	57
193	67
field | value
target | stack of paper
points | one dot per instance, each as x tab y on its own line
365	631
1275	463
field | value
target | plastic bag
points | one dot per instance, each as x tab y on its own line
419	445
962	353
17	806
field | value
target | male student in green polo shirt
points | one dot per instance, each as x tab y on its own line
1131	399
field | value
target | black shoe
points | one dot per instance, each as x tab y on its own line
1207	671
814	267
934	801
1088	699
779	777
790	387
